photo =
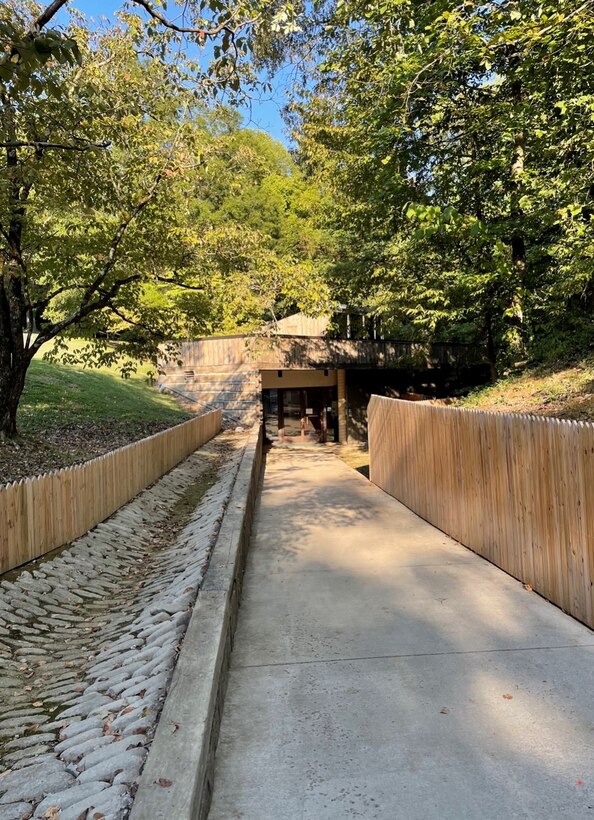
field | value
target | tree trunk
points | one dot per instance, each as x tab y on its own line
14	356
12	382
14	305
491	348
517	335
518	242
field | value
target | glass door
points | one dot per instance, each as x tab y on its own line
271	415
293	414
300	414
312	427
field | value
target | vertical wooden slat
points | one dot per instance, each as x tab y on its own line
44	512
517	489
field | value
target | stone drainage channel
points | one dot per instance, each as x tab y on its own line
89	639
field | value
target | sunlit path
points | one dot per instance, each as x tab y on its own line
381	670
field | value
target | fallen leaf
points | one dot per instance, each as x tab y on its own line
528	587
162	781
3	774
38	703
53	813
139	731
507	696
444	711
127	710
98	816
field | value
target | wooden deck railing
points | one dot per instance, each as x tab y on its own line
518	490
277	352
42	513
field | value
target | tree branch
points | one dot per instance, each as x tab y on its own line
134	322
38	145
201	32
226	25
117	240
42	304
178	284
45	16
83	311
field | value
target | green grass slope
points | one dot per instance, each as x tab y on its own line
69	414
61	394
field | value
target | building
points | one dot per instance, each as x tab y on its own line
309	386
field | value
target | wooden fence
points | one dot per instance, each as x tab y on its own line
518	490
42	513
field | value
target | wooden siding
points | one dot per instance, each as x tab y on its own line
518	490
294	352
301	325
42	513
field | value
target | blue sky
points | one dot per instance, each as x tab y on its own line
263	113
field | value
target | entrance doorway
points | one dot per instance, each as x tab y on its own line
301	414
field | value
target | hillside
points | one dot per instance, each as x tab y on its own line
69	414
561	391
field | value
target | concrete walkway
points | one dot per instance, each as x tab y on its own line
381	670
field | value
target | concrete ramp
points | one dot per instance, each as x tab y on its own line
381	670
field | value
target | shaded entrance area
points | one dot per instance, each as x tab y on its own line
381	670
301	415
300	406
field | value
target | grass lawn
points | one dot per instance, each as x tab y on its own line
70	414
56	394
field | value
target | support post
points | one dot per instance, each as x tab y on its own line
342	406
280	396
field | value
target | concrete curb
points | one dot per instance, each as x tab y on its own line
177	779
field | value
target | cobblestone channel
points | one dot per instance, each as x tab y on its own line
89	640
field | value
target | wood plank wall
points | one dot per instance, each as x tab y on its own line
262	352
518	490
41	513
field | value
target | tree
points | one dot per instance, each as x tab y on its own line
457	137
100	134
261	231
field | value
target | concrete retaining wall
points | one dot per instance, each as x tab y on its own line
177	780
